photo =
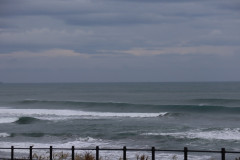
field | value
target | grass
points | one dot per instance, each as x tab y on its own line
142	157
66	156
83	156
87	156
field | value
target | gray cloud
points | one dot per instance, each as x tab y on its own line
151	40
160	1
109	20
44	7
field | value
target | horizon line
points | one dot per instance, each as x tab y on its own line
236	81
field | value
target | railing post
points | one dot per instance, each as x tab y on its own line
73	154
124	153
223	153
153	153
51	150
185	153
30	152
97	153
12	152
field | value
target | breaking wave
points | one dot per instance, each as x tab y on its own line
79	142
26	120
28	116
3	135
7	119
223	134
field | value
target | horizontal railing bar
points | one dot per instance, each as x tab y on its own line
205	151
60	148
110	149
85	149
148	150
133	149
39	148
64	148
232	152
121	149
168	150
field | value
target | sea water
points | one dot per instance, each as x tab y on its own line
202	116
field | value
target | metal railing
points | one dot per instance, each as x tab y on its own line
124	150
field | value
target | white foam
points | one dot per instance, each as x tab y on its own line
7	119
4	135
224	134
86	142
49	113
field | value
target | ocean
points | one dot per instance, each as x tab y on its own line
197	115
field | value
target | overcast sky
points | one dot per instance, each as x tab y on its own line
119	40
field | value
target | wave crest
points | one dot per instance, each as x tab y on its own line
26	120
28	116
201	107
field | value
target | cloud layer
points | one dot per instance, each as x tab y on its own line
130	40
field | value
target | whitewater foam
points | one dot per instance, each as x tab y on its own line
2	135
50	114
223	134
7	119
85	142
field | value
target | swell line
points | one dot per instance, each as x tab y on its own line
217	100
144	107
73	102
